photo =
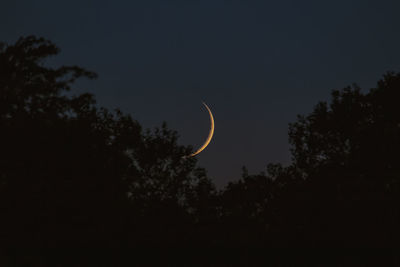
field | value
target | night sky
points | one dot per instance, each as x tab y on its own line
257	64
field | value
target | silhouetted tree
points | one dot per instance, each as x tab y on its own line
342	188
82	185
347	152
76	176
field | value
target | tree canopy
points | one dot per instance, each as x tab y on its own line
74	174
80	184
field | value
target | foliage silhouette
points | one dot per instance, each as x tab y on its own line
74	175
83	186
347	153
341	190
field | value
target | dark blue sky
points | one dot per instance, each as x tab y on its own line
257	64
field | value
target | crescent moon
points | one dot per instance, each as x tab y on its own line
210	133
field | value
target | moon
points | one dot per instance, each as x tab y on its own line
210	133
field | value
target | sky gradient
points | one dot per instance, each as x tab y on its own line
257	64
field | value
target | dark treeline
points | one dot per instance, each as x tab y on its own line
84	186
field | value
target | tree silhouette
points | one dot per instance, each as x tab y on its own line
347	152
84	186
342	188
76	176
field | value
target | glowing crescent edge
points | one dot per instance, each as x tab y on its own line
210	134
